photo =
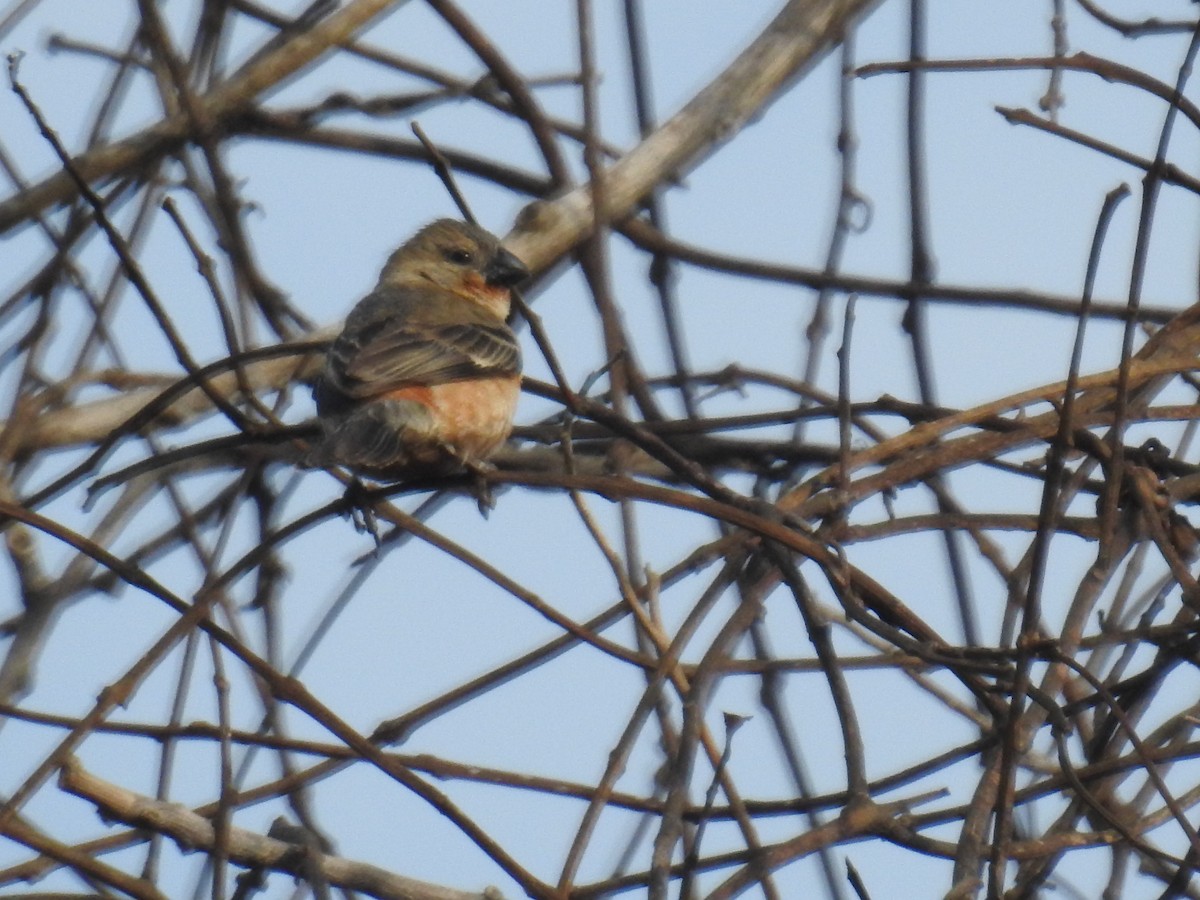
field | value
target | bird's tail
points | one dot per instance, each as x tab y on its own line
379	437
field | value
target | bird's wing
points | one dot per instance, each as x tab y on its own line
397	347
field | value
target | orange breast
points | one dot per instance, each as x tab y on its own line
418	393
474	416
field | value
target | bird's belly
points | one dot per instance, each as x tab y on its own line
475	416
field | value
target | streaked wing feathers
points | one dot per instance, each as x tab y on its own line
395	353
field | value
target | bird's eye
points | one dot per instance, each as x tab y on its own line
458	255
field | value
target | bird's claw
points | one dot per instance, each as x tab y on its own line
481	485
362	511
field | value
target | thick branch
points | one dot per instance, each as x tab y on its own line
87	423
233	96
792	43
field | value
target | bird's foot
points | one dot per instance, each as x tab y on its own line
362	510
481	484
479	473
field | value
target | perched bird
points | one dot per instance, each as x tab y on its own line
424	377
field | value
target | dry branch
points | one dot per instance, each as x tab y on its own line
795	41
193	832
224	103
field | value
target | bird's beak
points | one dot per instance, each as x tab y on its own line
505	270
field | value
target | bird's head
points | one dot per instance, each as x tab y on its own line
458	257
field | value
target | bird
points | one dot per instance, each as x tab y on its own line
425	375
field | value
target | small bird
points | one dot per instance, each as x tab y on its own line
425	376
